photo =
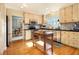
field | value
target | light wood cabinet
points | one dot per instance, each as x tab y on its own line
28	35
38	19
70	38
75	13
75	39
57	36
78	12
66	14
33	17
64	37
62	16
26	20
70	14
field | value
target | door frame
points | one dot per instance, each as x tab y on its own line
7	41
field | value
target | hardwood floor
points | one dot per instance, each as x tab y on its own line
20	48
65	50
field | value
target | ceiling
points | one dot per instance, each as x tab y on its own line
39	8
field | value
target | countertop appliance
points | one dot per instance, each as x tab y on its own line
34	25
76	26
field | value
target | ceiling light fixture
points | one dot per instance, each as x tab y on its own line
21	6
47	8
24	5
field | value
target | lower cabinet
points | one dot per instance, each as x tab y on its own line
28	35
57	36
70	38
64	37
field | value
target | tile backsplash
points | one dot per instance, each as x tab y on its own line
68	26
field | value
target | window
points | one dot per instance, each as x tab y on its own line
53	21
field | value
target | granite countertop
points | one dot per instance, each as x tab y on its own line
55	29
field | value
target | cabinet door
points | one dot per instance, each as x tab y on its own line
64	37
70	38
62	15
73	39
76	39
68	13
78	12
58	35
75	12
26	18
39	19
28	34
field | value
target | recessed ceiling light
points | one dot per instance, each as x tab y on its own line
47	8
21	6
24	6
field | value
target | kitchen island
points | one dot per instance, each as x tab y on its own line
67	37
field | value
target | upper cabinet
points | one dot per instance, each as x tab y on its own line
78	12
70	14
62	16
38	19
66	14
26	19
75	13
33	17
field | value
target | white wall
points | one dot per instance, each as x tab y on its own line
2	28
